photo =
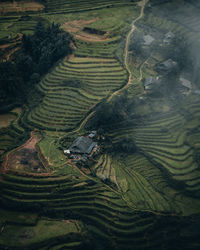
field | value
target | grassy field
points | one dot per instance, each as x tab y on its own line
148	199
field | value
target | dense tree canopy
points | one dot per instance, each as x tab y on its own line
46	46
126	144
109	115
37	54
112	115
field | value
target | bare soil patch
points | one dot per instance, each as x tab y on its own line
76	28
90	37
22	6
77	25
25	158
5	46
16	110
166	108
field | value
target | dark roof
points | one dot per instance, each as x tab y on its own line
82	145
169	34
91	135
167	65
185	82
168	37
148	82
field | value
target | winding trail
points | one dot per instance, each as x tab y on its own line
142	4
130	78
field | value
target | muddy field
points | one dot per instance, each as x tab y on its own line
76	28
25	158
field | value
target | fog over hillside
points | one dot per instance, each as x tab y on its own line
100	125
186	14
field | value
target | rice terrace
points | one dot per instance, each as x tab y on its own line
99	124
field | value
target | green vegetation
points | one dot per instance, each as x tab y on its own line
142	190
38	53
33	236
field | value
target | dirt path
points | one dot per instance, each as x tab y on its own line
82	123
141	67
142	4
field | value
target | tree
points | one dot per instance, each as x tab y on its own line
125	144
25	65
38	53
40	31
10	82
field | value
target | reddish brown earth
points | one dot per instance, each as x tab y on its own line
76	28
25	158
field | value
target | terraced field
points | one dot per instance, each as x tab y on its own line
164	141
148	199
62	6
98	77
89	200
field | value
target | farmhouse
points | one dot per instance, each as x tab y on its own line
167	65
148	40
82	145
168	38
151	82
186	85
92	134
185	82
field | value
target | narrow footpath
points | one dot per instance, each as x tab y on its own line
126	63
142	4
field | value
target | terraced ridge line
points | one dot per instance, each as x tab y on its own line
64	105
62	6
167	148
92	202
101	77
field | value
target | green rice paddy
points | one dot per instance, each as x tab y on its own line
145	200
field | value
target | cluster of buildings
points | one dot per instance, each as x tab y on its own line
151	83
165	67
167	40
83	148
